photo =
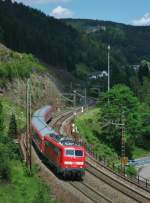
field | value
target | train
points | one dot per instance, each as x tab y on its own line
65	155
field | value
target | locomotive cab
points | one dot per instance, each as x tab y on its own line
74	161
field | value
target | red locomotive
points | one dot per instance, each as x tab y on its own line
67	157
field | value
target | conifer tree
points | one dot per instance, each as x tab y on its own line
1	118
12	132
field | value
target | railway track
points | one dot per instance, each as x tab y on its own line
90	192
124	185
99	171
140	185
137	182
62	116
118	183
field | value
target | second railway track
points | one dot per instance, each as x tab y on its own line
129	189
83	187
124	186
90	192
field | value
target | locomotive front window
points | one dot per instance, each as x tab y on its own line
78	153
69	152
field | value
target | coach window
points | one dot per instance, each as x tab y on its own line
36	137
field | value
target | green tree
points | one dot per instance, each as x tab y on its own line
1	34
144	139
81	71
5	169
144	91
120	101
144	70
12	132
1	118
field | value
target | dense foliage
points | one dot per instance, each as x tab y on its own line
15	65
33	32
131	43
15	184
55	42
5	151
89	129
13	132
130	47
81	51
120	106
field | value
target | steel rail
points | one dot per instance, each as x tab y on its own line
90	193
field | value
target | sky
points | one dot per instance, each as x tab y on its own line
134	12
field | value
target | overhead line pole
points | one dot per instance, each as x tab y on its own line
108	72
30	133
123	153
123	142
28	126
74	98
108	68
85	97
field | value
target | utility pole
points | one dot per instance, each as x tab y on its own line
28	126
71	87
123	143
123	153
74	98
30	132
108	85
108	67
85	98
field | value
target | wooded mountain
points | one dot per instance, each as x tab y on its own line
130	42
79	51
27	30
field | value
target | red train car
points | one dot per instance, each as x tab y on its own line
63	153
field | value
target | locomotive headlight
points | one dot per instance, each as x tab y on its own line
79	163
68	162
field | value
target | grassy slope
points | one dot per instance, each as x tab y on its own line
10	108
14	64
21	188
89	127
139	152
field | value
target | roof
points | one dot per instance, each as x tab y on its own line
39	123
64	140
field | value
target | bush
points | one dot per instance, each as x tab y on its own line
5	171
131	170
5	168
12	132
42	194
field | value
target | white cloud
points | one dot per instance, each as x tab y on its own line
145	20
29	2
60	12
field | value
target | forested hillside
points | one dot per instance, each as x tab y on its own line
16	183
27	30
129	42
76	46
